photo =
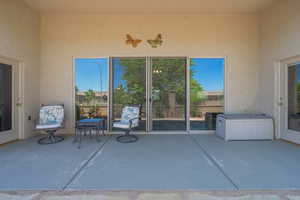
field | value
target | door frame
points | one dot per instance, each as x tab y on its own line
281	99
17	131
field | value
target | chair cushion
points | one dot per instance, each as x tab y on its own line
121	125
130	112
48	126
51	114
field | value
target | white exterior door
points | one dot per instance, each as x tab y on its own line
9	100
289	100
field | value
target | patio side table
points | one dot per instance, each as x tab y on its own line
84	125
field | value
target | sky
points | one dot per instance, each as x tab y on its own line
118	73
209	72
92	73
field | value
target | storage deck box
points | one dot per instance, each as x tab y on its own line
244	127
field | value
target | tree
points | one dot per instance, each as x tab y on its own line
76	89
168	79
89	96
135	77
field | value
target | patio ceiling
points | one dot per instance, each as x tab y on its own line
149	7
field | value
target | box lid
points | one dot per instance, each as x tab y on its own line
244	116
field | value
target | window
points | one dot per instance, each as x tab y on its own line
91	88
129	86
206	92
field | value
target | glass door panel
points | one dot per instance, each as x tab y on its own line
6	98
206	92
91	88
168	94
294	98
129	86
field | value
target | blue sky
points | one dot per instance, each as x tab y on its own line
118	73
92	73
209	72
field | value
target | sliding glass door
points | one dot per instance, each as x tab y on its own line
91	88
206	92
158	85
168	103
129	86
172	95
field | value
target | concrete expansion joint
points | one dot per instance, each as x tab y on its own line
215	163
84	165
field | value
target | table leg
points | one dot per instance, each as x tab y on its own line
79	143
98	133
75	135
103	125
90	133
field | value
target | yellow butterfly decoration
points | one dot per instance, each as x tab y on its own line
157	42
131	41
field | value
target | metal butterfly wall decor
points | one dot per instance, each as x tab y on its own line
131	41
157	42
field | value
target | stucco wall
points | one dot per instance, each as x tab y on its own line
234	36
280	31
20	40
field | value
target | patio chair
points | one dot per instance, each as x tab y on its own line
51	119
129	120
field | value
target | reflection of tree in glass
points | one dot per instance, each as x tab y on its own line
89	97
196	89
168	79
133	92
298	98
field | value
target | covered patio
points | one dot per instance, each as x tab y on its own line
185	65
154	163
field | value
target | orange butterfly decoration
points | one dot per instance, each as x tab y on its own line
131	41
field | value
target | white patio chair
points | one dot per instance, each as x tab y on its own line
51	119
129	120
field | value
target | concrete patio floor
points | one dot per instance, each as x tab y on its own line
154	163
151	195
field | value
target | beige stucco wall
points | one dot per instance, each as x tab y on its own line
20	40
234	36
280	33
